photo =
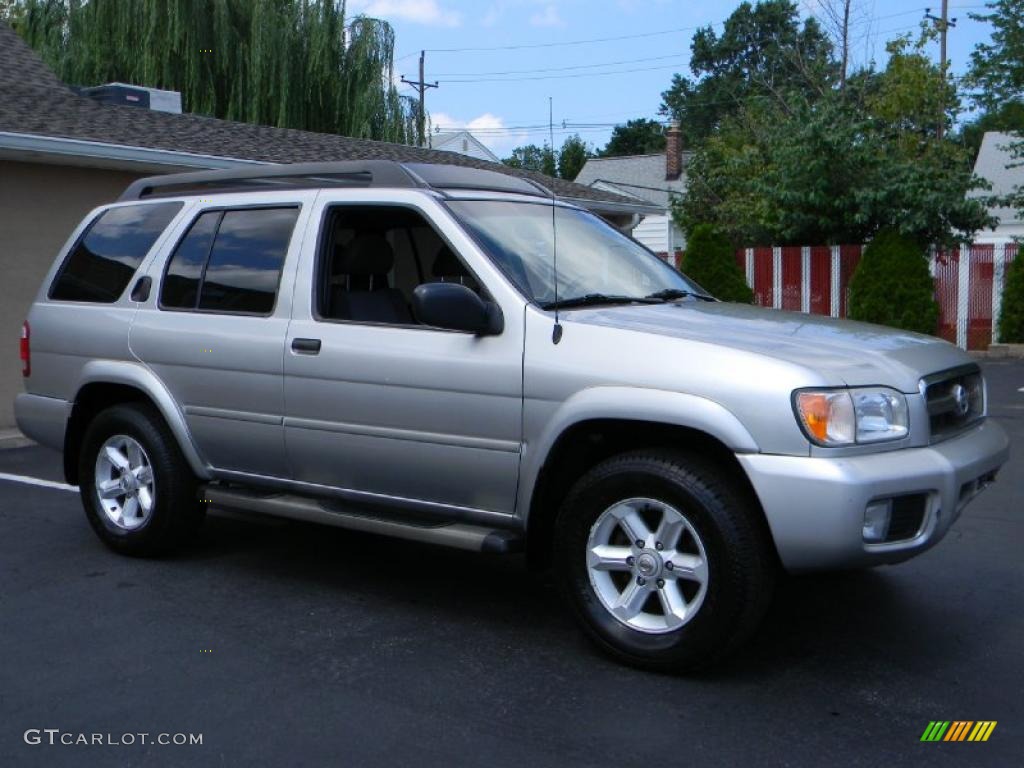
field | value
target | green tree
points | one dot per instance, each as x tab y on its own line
288	63
710	260
1011	318
11	11
997	74
891	285
763	52
1008	117
997	67
842	167
572	156
533	158
635	137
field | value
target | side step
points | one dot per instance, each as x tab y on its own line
458	535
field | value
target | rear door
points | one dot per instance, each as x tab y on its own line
214	325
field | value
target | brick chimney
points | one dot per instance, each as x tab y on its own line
673	152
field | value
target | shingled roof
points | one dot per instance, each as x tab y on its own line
33	101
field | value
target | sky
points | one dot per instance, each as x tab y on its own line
600	62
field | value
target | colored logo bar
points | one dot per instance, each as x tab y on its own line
958	730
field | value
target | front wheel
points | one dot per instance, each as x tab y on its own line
664	559
137	489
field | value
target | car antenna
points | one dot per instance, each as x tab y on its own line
556	332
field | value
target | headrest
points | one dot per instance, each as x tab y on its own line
368	254
447	264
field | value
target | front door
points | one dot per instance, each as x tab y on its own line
377	403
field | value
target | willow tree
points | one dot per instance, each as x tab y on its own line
288	63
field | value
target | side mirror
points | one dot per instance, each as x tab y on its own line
456	308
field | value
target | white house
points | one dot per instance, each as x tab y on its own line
462	142
655	179
997	165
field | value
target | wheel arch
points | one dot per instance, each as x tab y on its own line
596	425
104	384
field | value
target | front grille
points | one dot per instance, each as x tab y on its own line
907	516
955	400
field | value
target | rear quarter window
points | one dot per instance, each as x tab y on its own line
103	261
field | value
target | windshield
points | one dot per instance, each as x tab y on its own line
596	263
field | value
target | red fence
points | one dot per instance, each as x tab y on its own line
816	279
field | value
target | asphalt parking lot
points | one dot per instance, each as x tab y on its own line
289	644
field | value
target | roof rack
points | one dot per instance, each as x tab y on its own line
366	173
361	173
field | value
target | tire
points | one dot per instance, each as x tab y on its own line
174	515
680	627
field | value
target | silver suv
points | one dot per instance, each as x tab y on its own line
385	347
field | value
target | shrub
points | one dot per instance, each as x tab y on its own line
892	286
1011	316
711	261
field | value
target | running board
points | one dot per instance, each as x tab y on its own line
458	535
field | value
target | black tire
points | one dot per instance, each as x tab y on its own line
741	562
176	515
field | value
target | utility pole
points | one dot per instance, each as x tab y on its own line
421	114
943	23
846	42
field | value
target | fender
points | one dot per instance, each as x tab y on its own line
629	404
137	375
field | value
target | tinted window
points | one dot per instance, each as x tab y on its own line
181	283
102	263
374	257
245	263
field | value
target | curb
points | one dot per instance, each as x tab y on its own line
1002	351
12	438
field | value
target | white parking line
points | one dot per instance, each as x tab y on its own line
36	481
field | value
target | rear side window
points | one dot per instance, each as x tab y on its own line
230	261
102	262
181	284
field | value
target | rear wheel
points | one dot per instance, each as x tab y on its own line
137	489
664	559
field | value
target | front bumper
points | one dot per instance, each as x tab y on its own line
815	506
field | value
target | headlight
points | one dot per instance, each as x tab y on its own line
836	417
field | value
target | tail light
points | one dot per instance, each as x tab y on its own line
26	350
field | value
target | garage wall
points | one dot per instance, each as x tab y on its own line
40	205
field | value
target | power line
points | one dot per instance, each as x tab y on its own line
559	77
560	69
576	75
565	43
637	36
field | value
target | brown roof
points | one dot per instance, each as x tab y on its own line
34	101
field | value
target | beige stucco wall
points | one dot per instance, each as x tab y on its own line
40	205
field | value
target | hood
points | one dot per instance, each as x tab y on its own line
848	352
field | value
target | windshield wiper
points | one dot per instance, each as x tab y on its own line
671	294
597	299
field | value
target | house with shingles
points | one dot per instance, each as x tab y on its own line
62	153
997	164
463	142
653	179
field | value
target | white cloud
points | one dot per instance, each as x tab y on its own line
427	12
488	128
547	18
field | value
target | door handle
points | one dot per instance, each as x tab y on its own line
141	290
306	346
